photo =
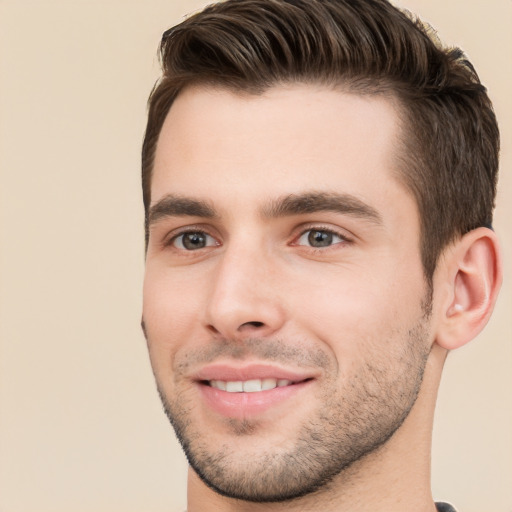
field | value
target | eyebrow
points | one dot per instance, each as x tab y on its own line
312	202
177	206
294	204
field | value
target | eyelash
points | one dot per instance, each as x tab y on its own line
171	240
344	239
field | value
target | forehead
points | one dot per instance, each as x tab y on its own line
216	144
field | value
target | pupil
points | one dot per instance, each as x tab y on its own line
320	238
194	241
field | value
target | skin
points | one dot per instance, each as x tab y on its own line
354	315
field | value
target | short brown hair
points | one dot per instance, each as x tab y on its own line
450	146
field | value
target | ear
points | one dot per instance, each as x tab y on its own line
472	275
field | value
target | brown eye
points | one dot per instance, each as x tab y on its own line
193	240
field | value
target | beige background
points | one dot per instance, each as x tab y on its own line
81	427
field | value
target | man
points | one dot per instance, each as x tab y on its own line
319	179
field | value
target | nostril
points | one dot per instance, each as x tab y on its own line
212	329
253	324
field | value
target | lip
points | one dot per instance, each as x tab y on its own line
244	405
248	372
247	405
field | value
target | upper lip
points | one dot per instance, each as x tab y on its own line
228	372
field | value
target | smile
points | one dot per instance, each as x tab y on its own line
252	389
249	386
252	397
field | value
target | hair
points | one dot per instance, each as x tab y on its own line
448	152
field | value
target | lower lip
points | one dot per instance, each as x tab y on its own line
242	405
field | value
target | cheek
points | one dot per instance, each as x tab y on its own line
353	311
170	312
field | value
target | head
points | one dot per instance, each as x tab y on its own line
306	166
450	142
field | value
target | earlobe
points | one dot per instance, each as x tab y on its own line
473	273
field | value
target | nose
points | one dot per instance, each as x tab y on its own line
245	296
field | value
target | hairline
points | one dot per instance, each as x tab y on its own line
386	89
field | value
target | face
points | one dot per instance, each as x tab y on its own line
284	297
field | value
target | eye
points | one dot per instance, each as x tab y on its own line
320	238
193	240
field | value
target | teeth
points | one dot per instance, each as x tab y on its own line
249	386
268	384
219	384
235	387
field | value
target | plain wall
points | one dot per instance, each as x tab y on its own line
81	427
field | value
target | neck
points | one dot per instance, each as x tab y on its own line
394	478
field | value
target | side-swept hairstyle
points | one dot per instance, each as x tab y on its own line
448	152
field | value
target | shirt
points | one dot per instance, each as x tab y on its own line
444	507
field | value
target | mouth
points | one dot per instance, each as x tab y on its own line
252	385
250	391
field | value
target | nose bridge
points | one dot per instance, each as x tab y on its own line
243	298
